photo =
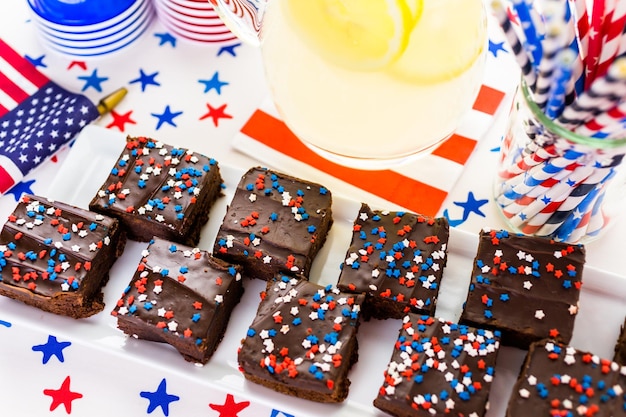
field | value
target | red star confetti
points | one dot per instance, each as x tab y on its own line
120	120
63	396
230	408
216	113
80	64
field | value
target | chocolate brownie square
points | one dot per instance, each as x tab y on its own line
527	287
397	258
559	380
57	257
275	223
439	368
620	346
302	341
182	296
159	190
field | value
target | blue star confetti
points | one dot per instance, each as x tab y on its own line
159	398
38	62
495	47
165	38
52	348
166	117
22	187
213	84
470	206
229	49
278	413
93	81
146	79
5	323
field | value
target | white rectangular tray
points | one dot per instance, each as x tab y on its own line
111	370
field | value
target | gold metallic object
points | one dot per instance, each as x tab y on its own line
109	102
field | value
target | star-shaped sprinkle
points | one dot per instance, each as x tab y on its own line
63	396
166	117
216	114
120	120
228	49
51	348
159	398
38	62
146	79
230	408
166	38
93	81
213	84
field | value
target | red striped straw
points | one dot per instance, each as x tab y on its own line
612	37
609	120
582	24
595	40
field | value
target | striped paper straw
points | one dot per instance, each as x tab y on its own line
602	95
578	70
582	26
519	53
533	43
607	122
562	83
612	37
552	44
595	41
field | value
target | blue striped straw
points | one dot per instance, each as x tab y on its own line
533	41
561	82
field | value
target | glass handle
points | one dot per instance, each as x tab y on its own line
242	17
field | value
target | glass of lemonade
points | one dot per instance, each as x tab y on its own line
367	83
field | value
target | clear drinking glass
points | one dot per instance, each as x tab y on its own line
554	183
367	83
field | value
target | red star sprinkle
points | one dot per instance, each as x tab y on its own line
216	114
120	120
63	396
230	408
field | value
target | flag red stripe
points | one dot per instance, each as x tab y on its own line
12	90
389	185
3	110
6	180
22	65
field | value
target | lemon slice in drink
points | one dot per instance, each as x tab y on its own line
361	35
445	42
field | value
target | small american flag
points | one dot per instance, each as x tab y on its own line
37	116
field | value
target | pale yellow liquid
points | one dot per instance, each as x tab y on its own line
364	114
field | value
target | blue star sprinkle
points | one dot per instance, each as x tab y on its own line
229	49
166	38
159	398
214	83
166	117
93	81
146	79
22	187
52	348
38	62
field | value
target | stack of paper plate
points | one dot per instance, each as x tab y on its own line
90	28
193	20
